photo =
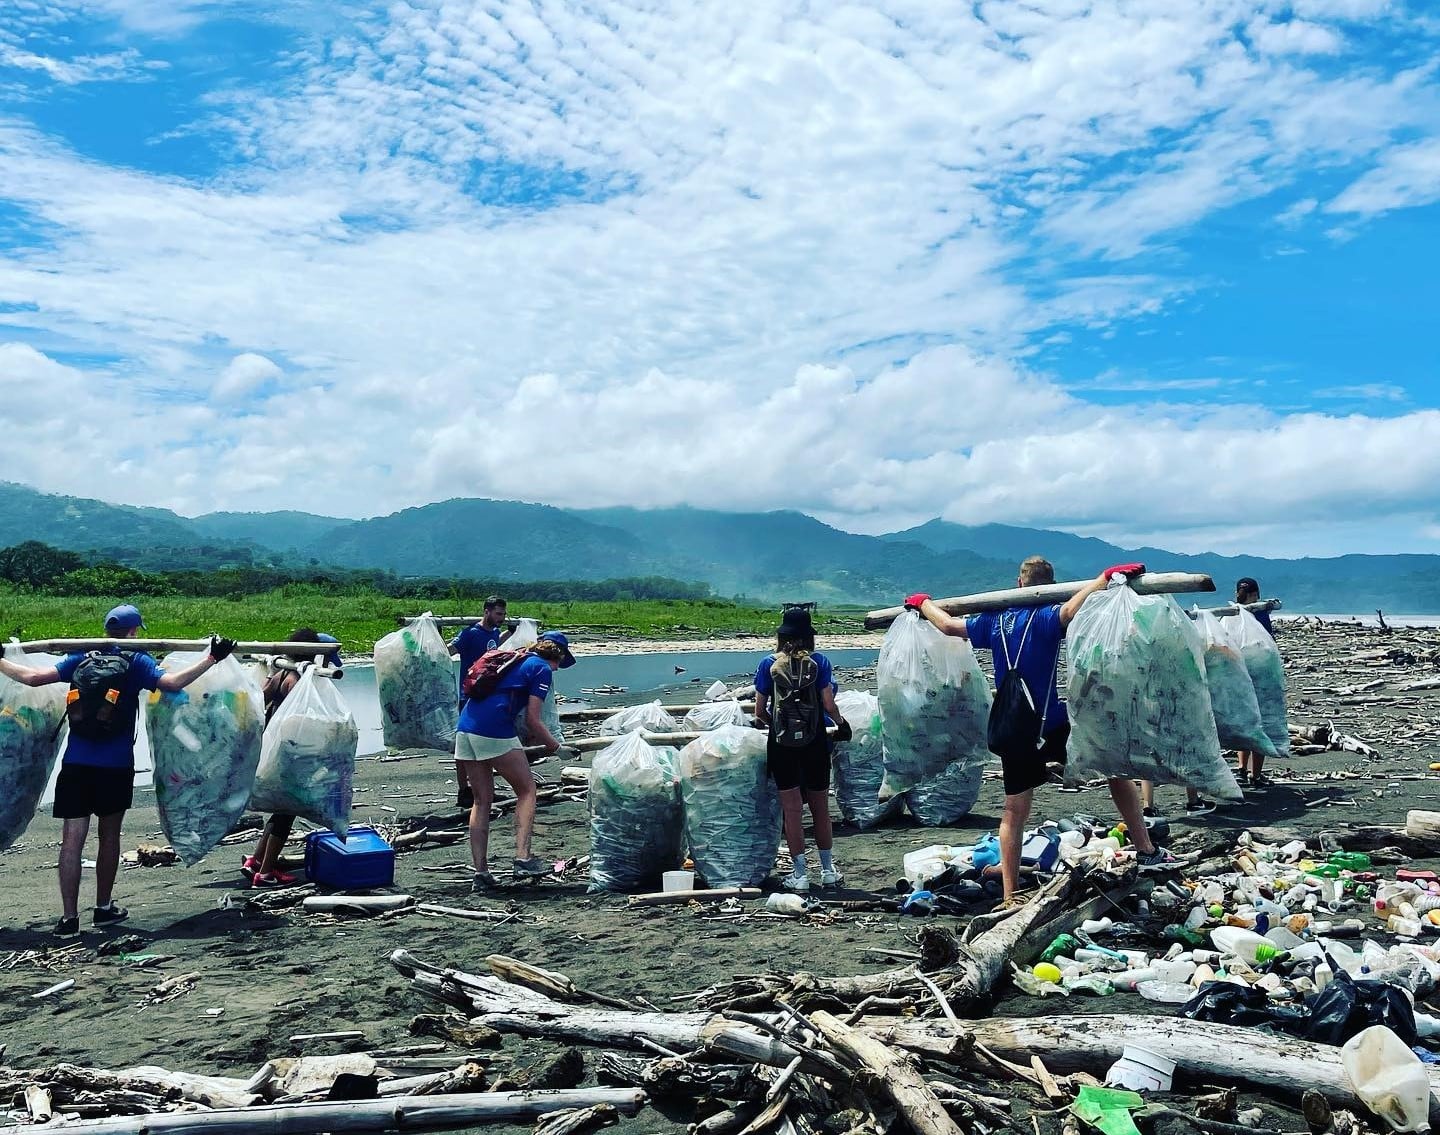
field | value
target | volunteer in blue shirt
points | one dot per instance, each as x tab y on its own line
802	774
473	643
486	744
1028	639
97	772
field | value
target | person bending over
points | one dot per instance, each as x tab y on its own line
1028	640
486	744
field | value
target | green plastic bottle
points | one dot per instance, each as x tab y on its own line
1065	944
1350	860
1175	932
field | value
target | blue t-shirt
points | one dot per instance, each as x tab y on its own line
1002	631
495	716
474	642
824	678
1263	618
117	751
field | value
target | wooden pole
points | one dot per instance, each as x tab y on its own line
1234	608
1151	583
511	621
396	1113
593	714
677	740
158	645
675	898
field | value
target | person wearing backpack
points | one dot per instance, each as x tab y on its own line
470	644
498	685
262	868
97	769
1029	725
795	701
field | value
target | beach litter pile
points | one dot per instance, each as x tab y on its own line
205	745
713	714
859	764
415	678
650	716
1232	691
30	720
1267	671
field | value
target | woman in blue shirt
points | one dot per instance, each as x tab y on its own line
486	744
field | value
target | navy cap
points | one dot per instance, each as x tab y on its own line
125	617
333	658
566	659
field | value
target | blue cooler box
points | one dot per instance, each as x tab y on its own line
360	861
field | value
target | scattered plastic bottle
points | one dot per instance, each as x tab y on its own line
1064	944
1245	944
1165	992
1090	983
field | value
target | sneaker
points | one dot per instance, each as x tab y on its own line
272	879
831	878
1157	862
1150	813
67	928
1199	807
1242	777
109	915
482	882
1260	780
248	866
532	868
465	797
796	884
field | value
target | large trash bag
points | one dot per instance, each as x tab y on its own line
1346	1007
415	679
307	758
1232	693
860	763
712	715
945	799
934	704
30	720
1267	672
732	811
637	820
205	744
1139	706
651	716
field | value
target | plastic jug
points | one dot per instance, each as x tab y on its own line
928	863
1245	944
1389	1079
986	852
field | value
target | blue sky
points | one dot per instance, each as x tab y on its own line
1147	271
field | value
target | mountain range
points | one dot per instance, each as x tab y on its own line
771	556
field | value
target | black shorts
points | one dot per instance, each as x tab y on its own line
807	768
82	791
1030	772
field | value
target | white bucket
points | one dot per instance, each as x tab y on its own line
1141	1070
678	881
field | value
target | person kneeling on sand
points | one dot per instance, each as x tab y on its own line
97	770
794	701
262	868
1027	640
486	744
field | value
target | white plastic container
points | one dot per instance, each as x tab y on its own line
1244	944
1389	1079
1141	1070
677	881
1165	992
928	863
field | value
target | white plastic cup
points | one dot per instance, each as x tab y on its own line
678	881
1141	1070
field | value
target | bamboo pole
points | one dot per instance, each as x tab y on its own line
1151	583
157	645
396	1113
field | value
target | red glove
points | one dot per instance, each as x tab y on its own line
1130	571
914	602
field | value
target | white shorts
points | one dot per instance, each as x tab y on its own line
473	747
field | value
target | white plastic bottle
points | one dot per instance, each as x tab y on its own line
1245	944
1389	1079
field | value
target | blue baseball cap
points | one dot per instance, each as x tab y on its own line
566	658
125	617
333	658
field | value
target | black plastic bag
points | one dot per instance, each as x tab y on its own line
1346	1007
1229	1004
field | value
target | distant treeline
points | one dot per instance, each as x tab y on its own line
36	567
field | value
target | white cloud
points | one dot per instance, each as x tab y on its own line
745	216
1406	177
82	69
243	375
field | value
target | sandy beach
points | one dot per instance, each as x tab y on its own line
263	976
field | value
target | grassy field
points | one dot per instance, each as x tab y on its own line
358	619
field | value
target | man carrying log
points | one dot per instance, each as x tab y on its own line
471	643
1026	640
97	770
